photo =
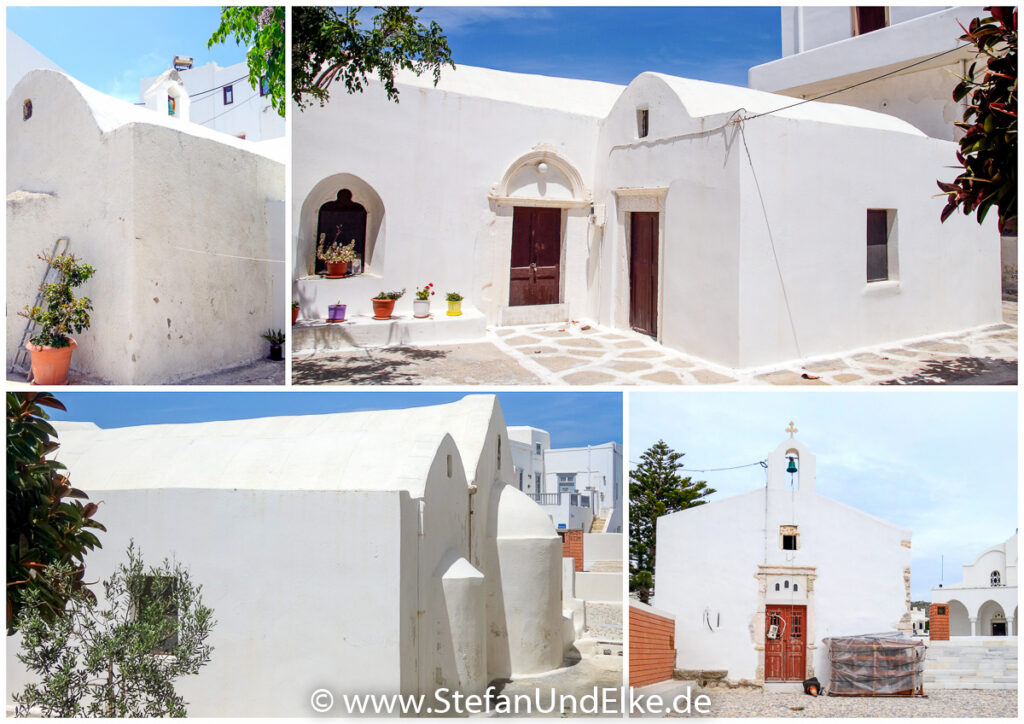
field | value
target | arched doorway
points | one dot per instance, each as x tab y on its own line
959	620
342	220
992	620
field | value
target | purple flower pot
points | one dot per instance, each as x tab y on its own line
336	313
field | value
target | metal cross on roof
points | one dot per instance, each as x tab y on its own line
791	430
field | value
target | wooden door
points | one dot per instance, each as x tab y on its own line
643	272
536	256
785	656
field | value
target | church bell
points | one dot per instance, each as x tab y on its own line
792	465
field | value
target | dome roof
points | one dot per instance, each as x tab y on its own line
520	517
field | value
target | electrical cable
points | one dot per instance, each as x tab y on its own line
762	463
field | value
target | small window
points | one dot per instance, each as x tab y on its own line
538	449
777	587
879	224
26	109
995	578
229	95
796	587
172	105
869	19
520	479
264	86
642	117
785	584
940	610
499	452
449	465
789	543
157	598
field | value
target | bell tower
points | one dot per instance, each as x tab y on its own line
791	464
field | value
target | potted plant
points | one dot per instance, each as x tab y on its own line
276	339
384	304
336	256
295	312
61	314
336	312
421	305
454	304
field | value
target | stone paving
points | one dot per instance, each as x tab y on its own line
578	678
260	372
943	703
584	354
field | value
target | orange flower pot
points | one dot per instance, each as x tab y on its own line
295	315
336	268
382	308
50	365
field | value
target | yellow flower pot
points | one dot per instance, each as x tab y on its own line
455	309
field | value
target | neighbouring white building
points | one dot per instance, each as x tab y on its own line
826	50
800	232
218	98
184	226
985	602
919	620
579	487
756	581
320	551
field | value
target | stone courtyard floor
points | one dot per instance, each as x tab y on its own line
582	354
939	703
260	372
578	677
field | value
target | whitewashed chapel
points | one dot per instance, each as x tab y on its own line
757	581
797	232
325	557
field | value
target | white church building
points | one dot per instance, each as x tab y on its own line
329	563
713	218
184	225
757	581
985	602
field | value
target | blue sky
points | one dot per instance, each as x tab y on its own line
940	462
112	48
572	418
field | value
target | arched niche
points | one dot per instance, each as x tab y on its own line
542	177
342	220
340	192
959	619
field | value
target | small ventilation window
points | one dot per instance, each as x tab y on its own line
789	542
940	610
995	578
795	588
449	461
499	452
642	119
777	587
785	584
26	109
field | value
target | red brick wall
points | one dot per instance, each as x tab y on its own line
938	626
572	547
652	651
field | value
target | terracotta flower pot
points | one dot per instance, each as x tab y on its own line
455	309
336	312
382	308
276	353
336	268
50	365
421	308
295	315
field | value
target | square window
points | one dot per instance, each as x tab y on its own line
229	95
940	610
789	542
642	118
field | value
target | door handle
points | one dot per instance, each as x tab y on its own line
533	272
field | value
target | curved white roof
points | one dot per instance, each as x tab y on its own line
702	98
520	517
581	97
112	113
373	451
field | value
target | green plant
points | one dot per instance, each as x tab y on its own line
274	336
295	305
655	489
62	313
328	45
453	297
261	30
425	293
119	659
336	252
390	295
988	148
47	525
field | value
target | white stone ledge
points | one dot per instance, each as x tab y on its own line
402	329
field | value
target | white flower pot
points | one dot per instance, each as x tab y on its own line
421	308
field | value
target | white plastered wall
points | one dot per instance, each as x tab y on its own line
181	229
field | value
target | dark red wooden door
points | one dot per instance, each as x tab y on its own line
643	272
536	256
785	655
